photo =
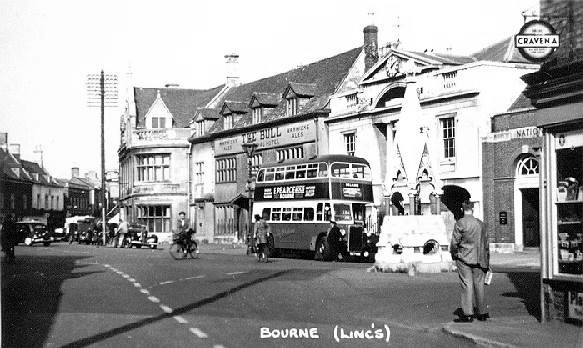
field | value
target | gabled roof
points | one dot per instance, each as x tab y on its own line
182	103
503	51
10	166
206	114
234	107
301	90
266	99
324	75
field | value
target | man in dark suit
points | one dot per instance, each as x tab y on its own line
469	248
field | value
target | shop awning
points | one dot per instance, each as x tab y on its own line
556	116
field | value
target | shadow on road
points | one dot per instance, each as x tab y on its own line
31	292
527	285
117	331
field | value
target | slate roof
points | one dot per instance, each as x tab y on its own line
182	103
320	79
521	103
237	107
7	163
267	99
207	113
303	89
503	51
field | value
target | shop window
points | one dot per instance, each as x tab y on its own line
569	206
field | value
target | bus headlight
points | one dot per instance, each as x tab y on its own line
365	254
343	231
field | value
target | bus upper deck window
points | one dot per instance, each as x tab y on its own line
269	175
260	175
341	170
312	170
322	170
290	173
309	214
301	173
360	171
279	173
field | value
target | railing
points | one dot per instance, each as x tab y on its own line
443	83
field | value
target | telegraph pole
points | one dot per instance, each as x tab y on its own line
103	88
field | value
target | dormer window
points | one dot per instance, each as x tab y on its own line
228	122
257	115
292	106
200	128
158	122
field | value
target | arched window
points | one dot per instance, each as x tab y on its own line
527	166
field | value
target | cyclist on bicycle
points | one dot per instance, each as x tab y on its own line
184	235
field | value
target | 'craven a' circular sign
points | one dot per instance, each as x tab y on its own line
536	41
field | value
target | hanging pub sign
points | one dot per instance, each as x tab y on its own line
269	137
289	192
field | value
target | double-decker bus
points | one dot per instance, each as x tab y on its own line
300	198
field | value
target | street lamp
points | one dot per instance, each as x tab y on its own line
250	150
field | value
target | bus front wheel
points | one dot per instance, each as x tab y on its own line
322	249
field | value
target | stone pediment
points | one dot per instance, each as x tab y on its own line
395	65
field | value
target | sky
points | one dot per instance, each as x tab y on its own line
48	48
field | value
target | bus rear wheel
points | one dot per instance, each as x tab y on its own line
322	250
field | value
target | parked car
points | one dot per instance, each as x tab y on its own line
31	231
138	236
59	234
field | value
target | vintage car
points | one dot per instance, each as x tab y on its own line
33	231
138	236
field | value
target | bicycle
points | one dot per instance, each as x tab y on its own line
178	249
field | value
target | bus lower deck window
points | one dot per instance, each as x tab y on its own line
266	213
286	214
276	214
297	214
308	214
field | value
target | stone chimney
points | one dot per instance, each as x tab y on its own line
38	155
371	51
75	172
15	150
232	69
4	141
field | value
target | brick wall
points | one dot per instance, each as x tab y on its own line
566	16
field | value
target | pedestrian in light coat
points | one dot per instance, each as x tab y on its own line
469	248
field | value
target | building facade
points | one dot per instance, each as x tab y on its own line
282	114
154	155
418	117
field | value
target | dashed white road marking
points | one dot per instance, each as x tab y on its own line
144	291
198	332
180	319
106	265
167	282
125	275
195	277
137	285
233	273
218	346
131	280
166	308
154	299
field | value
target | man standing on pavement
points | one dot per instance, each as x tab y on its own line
121	233
469	248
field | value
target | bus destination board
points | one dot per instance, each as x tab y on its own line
297	191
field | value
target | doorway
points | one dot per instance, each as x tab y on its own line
530	217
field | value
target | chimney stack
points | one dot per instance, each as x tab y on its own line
38	152
4	141
75	172
371	51
15	150
232	67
